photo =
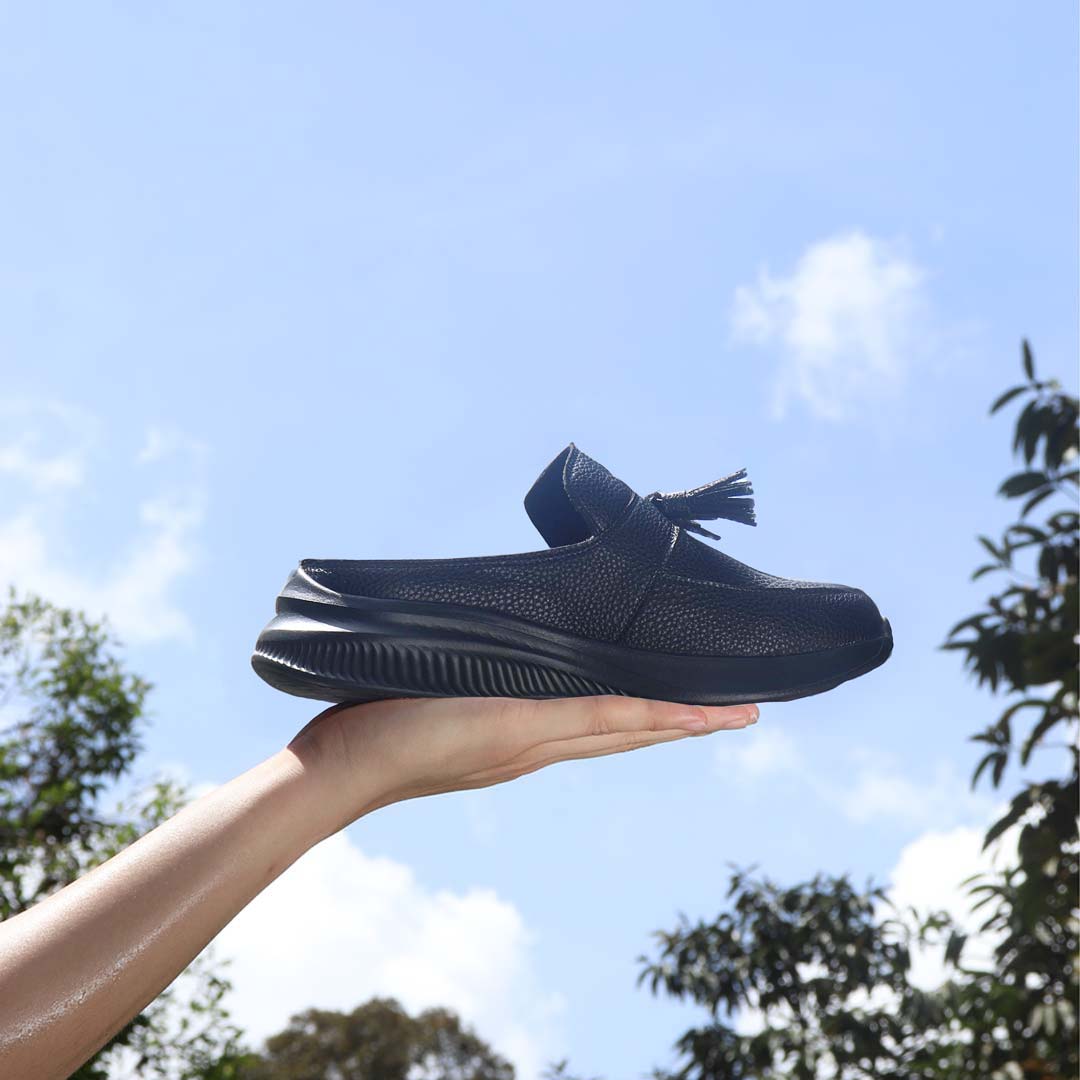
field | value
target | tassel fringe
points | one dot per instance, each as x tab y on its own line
724	498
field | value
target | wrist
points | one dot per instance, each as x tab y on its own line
334	792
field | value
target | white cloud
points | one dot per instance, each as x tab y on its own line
45	445
135	593
339	927
40	550
771	751
846	323
46	472
928	877
877	789
165	442
865	787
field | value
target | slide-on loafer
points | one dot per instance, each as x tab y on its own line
623	601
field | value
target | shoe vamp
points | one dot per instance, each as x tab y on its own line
698	618
707	603
690	558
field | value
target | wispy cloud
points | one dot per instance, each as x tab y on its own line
45	445
170	442
873	786
770	752
844	324
39	551
877	788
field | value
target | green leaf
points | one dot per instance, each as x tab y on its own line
1010	818
1016	706
1022	483
1006	398
1040	420
1029	360
1048	563
993	758
1036	535
1050	718
1035	500
954	947
999	769
973	622
1024	424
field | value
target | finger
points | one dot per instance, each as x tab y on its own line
609	714
582	746
591	746
597	745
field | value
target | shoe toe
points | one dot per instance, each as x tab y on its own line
836	615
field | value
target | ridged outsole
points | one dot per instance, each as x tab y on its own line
340	665
337	648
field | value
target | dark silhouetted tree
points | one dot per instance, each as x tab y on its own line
376	1041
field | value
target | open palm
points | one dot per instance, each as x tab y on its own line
386	751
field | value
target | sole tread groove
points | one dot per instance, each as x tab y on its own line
391	669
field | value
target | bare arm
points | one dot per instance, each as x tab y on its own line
79	965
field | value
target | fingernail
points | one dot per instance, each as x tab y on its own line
753	714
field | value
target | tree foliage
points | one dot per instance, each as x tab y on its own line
826	974
824	968
376	1041
70	728
1024	640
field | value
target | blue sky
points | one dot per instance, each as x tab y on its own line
340	283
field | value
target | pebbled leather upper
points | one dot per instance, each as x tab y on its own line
618	570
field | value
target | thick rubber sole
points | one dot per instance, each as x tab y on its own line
337	648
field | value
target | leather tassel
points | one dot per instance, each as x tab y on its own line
724	498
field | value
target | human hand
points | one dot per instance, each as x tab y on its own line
370	755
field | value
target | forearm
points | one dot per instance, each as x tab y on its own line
76	967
